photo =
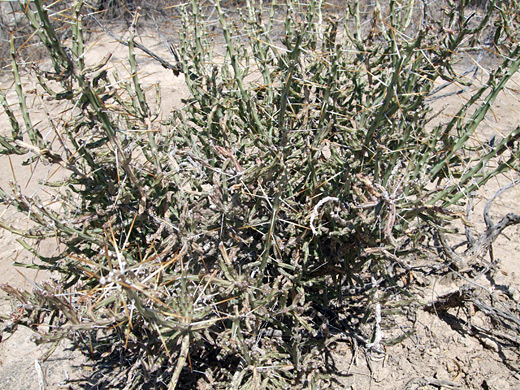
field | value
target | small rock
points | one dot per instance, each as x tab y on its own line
490	344
515	294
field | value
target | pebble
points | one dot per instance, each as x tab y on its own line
515	294
490	344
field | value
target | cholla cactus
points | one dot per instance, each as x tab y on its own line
300	165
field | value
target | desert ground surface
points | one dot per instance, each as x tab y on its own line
450	348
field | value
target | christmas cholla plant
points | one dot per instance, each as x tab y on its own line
225	239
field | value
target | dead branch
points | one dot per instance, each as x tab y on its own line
477	248
468	294
486	240
487	208
455	260
497	314
497	334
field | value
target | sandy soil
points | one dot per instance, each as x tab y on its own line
444	351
